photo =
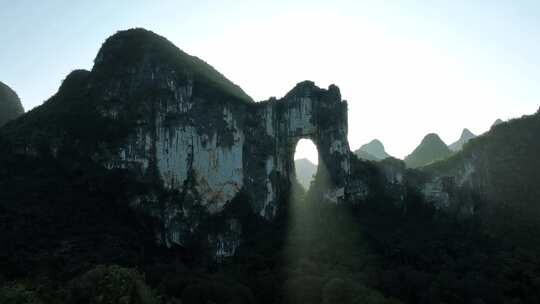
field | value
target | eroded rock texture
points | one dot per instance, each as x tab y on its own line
194	139
214	150
305	112
205	148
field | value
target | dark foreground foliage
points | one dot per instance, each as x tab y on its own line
68	235
374	252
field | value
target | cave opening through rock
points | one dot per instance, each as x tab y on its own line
306	160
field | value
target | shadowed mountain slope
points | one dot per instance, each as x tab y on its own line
431	149
502	168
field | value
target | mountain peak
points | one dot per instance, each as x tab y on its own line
466	135
431	149
375	143
374	148
129	51
10	104
134	44
305	171
432	138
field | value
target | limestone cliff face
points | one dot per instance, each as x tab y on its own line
209	147
305	112
195	139
217	149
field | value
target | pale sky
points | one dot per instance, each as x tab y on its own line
407	68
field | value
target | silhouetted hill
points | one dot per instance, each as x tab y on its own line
431	149
466	135
10	105
376	149
305	171
136	46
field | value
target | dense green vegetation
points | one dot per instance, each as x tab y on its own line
66	225
69	123
66	220
506	175
138	46
59	217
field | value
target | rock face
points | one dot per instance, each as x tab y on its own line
466	135
211	147
198	139
431	149
10	105
375	148
226	147
305	172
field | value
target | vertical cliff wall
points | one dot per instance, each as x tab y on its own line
217	149
305	112
204	151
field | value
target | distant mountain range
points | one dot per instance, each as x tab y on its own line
466	135
431	149
10	105
305	170
374	151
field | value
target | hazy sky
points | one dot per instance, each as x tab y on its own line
407	68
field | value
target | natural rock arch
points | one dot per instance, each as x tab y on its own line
313	113
194	142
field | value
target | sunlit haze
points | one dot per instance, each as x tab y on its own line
406	69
